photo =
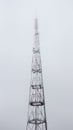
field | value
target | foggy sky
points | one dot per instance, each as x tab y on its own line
56	44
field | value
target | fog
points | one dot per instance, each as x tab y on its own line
56	44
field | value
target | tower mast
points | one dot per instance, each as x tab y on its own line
36	109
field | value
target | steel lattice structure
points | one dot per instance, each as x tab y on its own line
36	109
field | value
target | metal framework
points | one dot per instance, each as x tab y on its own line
36	109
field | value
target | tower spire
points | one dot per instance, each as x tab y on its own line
36	46
36	112
36	25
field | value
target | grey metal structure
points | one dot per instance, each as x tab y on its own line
36	109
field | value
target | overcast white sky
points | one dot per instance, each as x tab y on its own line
16	42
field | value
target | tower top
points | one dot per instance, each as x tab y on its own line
36	25
36	111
